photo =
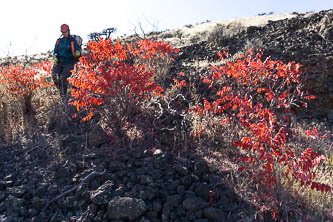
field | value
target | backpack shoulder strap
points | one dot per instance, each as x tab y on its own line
58	43
73	46
58	40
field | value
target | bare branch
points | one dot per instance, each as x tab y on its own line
105	34
88	177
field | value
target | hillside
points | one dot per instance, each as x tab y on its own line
304	38
151	163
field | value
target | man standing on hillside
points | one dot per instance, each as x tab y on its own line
65	54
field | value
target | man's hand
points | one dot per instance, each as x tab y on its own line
77	53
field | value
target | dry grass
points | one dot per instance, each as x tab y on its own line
296	202
11	118
321	203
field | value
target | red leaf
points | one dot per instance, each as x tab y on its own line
236	143
315	131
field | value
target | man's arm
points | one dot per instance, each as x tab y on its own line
56	47
77	49
55	52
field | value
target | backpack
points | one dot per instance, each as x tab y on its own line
79	42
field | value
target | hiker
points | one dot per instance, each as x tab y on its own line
65	54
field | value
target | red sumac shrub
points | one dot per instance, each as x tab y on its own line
116	71
258	96
23	81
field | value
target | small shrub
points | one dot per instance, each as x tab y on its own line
23	81
18	86
234	28
258	96
216	35
114	79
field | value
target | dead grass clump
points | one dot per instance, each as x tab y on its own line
216	35
234	28
221	32
11	118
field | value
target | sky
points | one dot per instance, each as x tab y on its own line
30	27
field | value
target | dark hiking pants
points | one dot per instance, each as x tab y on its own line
60	73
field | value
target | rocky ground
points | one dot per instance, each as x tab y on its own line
112	184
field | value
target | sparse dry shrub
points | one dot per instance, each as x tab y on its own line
216	35
50	112
171	116
221	32
253	44
11	118
195	39
234	28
